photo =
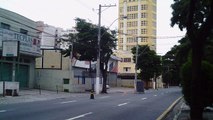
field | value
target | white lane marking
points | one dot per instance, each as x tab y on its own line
122	104
1	111
155	95
68	102
80	116
104	97
143	98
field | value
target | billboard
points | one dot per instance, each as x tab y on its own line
10	48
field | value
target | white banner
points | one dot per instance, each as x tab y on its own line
10	48
28	44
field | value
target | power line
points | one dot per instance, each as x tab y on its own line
133	35
145	36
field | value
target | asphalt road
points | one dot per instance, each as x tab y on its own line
114	106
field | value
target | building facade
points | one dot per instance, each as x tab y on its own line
137	25
50	35
63	74
56	72
19	46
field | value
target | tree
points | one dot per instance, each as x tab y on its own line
85	45
173	60
148	63
207	84
196	16
169	67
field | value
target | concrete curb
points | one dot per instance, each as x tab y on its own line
166	112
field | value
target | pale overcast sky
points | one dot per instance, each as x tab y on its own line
61	13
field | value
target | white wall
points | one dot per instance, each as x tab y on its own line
48	35
10	86
49	79
53	80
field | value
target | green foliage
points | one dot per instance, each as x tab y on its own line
206	85
181	11
196	16
85	45
149	63
208	55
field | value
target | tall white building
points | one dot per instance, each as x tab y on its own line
50	35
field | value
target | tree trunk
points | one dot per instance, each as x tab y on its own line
196	83
197	37
104	90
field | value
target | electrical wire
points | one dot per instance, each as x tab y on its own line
133	35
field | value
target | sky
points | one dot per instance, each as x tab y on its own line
61	13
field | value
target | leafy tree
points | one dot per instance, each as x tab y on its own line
148	63
196	16
206	85
173	60
85	45
169	67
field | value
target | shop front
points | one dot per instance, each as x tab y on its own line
19	47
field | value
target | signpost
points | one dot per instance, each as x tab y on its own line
11	49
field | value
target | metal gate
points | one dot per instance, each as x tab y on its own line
22	76
5	72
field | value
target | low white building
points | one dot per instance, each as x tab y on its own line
18	65
58	73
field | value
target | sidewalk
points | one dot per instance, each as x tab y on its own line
32	95
181	111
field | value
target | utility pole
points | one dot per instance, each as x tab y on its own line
97	84
137	40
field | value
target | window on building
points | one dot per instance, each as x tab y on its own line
132	24
23	31
132	8
143	31
121	9
66	81
132	16
144	23
144	7
120	47
121	40
5	26
121	25
126	69
126	59
129	47
144	15
132	32
144	39
83	80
